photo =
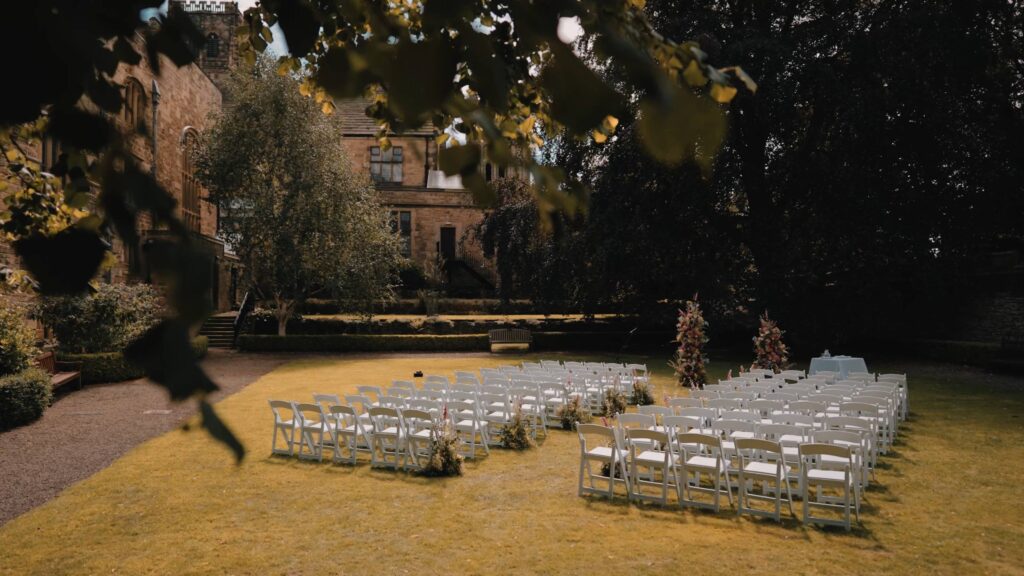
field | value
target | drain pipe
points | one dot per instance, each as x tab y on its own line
156	102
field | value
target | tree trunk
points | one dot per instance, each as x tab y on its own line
283	312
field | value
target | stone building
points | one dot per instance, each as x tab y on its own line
172	110
434	215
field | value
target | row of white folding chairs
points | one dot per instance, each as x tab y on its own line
740	423
884	398
812	413
643	459
386	433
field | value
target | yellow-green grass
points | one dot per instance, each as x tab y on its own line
945	502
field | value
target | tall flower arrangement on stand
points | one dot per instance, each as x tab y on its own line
689	361
769	349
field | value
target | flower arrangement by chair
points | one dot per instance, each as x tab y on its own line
573	412
770	351
689	361
643	394
516	434
445	459
613	403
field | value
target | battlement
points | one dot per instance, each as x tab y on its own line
208	6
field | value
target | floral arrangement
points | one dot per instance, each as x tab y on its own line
516	434
689	361
769	349
445	459
613	403
643	394
573	412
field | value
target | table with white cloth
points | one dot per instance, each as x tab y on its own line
841	365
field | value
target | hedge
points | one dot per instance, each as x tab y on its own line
263	323
23	397
606	341
363	343
112	366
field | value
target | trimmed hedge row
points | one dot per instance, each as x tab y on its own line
309	325
23	397
604	341
415	306
112	366
363	343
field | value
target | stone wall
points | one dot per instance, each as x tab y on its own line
432	209
414	155
188	98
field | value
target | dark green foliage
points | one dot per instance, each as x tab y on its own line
24	397
17	341
363	343
104	367
102	322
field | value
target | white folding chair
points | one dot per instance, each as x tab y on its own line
650	464
285	423
599	444
388	437
313	427
420	434
821	477
350	435
763	461
464	411
698	455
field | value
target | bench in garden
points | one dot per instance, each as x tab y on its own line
61	373
510	336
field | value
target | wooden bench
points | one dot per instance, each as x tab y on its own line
517	336
61	373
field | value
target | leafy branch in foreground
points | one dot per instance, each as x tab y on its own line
499	76
79	47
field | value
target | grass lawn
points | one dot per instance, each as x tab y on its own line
945	503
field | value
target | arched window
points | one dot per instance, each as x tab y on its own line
212	46
190	188
134	105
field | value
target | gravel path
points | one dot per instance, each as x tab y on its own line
86	430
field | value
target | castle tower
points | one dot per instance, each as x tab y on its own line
218	22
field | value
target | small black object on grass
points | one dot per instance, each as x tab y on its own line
417	374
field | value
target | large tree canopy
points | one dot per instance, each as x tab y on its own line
878	163
302	220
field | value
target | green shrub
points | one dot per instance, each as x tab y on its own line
17	340
613	403
23	397
102	322
363	343
103	367
574	412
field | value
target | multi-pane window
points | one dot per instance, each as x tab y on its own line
212	46
190	188
134	105
401	224
386	165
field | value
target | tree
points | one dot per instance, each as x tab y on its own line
303	222
409	51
